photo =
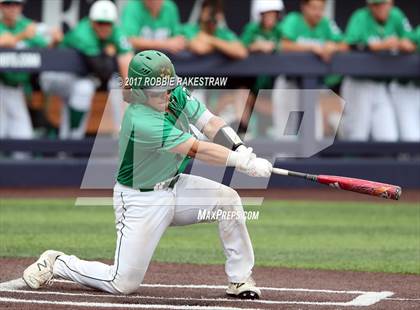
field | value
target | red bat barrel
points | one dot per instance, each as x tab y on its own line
387	191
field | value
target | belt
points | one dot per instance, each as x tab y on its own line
170	183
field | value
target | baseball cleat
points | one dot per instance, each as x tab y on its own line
41	271
245	290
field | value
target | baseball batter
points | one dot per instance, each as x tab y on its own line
152	193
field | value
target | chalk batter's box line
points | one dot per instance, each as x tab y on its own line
365	298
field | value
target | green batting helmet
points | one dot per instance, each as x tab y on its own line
152	71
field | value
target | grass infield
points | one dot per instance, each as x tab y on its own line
311	235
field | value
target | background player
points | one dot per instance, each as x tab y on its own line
152	193
153	24
405	94
16	31
369	112
100	40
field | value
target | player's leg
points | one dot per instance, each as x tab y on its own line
19	121
195	195
80	101
59	84
3	112
356	121
406	101
141	220
384	121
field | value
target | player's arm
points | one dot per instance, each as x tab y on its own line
216	130
208	152
233	49
215	154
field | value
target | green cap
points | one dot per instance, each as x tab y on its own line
377	1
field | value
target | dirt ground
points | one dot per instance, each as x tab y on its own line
184	286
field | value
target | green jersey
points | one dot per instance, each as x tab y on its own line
363	27
190	31
84	39
137	21
296	29
20	78
147	135
254	32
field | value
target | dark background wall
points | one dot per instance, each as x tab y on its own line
237	11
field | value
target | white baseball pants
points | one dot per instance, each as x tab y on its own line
141	219
406	100
368	112
15	121
77	93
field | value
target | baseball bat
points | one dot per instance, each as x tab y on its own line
377	189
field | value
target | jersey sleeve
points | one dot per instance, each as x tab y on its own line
191	107
248	34
289	28
189	31
404	28
175	22
157	135
130	19
335	33
354	30
226	34
121	42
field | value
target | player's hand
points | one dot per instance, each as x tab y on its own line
8	40
407	46
328	51
392	43
258	167
243	149
29	32
176	44
262	46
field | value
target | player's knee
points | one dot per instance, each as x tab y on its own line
230	199
128	281
82	94
126	287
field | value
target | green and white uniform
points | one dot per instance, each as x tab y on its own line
369	111
147	135
138	22
405	96
77	91
14	118
296	29
148	199
363	28
254	32
84	39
